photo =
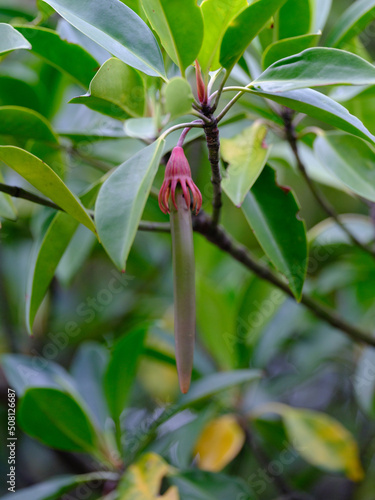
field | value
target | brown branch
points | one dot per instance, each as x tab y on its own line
18	192
323	202
213	144
219	237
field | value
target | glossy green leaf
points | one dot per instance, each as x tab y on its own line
247	155
321	107
67	57
316	67
35	132
178	97
121	370
244	28
116	90
57	420
294	19
272	213
11	39
48	255
43	178
287	47
121	201
350	159
201	485
57	487
179	26
351	23
320	440
213	384
217	16
117	28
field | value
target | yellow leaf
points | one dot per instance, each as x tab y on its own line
143	479
220	442
320	439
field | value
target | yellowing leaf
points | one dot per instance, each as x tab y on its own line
219	443
320	440
247	156
143	479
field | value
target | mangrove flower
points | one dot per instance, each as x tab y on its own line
174	198
177	173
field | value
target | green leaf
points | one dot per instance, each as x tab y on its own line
16	92
272	212
321	107
259	304
244	28
178	97
201	485
121	370
247	155
320	440
48	255
295	18
287	47
55	488
43	178
351	23
143	479
121	201
179	26
118	29
67	57
116	90
217	16
216	383
350	159
57	420
11	39
28	125
45	10
316	67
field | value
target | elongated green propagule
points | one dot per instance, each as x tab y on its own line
174	198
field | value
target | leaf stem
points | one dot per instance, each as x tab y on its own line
194	124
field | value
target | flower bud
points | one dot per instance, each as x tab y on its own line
178	172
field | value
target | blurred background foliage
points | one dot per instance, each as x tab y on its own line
242	322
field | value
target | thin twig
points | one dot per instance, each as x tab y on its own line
213	145
323	202
219	237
